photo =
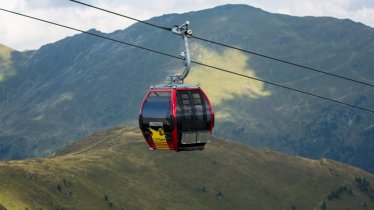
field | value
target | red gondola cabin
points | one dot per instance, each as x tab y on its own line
178	118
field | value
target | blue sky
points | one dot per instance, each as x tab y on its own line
22	34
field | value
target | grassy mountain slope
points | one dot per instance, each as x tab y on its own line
81	84
5	62
115	170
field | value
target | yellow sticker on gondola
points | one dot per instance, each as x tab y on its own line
159	138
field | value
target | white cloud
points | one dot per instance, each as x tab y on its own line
351	9
364	15
21	33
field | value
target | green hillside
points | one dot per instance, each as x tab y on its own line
82	84
5	62
114	169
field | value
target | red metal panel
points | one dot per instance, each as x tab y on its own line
174	115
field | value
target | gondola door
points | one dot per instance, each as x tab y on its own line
194	118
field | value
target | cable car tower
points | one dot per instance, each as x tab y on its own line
174	115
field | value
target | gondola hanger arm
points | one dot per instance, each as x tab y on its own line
186	33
